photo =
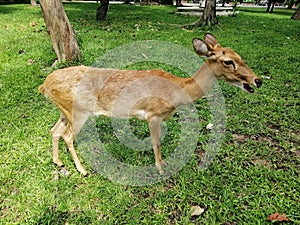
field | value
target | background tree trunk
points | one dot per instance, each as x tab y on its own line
33	3
178	3
296	15
102	10
290	4
209	16
269	8
167	2
61	32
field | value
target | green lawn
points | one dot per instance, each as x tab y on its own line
255	173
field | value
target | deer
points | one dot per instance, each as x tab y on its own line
150	95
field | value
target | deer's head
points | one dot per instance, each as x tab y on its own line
226	64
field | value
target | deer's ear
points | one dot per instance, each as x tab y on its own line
211	41
200	47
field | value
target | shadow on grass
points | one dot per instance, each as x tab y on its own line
279	12
19	9
56	217
8	9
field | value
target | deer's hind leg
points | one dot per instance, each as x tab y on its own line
155	133
56	132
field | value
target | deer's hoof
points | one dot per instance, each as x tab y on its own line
82	171
58	162
159	167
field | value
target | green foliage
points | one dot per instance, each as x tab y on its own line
255	173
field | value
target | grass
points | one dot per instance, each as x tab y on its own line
255	173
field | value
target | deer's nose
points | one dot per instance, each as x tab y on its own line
258	82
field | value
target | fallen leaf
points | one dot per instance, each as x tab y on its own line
146	57
55	175
137	26
297	153
63	171
33	24
30	62
209	126
278	217
196	210
261	162
266	77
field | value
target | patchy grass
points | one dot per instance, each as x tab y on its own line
255	173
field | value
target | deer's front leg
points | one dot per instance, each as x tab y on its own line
69	139
155	133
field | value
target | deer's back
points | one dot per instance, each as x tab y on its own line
98	90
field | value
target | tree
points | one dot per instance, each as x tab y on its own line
291	3
61	32
178	3
209	16
167	2
102	10
296	15
33	2
270	3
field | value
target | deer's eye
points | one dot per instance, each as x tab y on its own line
229	62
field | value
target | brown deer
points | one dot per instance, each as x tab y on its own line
151	95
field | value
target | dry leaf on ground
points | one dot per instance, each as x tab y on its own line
210	126
30	61
278	217
196	210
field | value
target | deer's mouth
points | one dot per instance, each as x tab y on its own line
244	86
248	88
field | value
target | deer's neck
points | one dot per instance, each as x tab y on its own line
201	82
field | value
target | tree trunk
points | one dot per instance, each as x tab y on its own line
209	16
270	2
167	2
178	3
33	3
61	32
296	15
102	10
291	3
